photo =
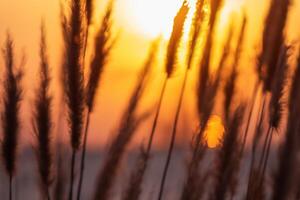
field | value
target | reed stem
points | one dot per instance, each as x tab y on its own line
72	174
82	162
48	194
10	187
253	156
156	116
174	132
253	99
266	158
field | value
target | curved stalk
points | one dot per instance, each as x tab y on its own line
83	154
174	132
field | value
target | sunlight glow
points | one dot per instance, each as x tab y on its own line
214	131
154	17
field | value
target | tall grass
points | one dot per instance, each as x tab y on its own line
171	59
129	124
276	90
42	120
206	92
102	49
11	114
134	189
228	160
284	179
73	79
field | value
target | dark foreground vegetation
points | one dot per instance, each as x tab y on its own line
273	108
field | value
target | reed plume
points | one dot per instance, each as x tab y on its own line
102	49
207	90
89	11
273	38
73	79
134	189
195	31
11	114
227	158
128	126
276	103
42	120
173	46
88	16
204	74
275	106
191	186
230	84
287	158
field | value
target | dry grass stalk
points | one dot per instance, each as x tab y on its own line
251	186
230	84
42	120
227	160
204	77
173	46
207	90
102	49
134	189
276	106
287	159
11	114
272	40
195	31
129	124
175	39
73	78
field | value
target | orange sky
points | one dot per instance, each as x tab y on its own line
138	24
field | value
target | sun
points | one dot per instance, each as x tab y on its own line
154	17
214	131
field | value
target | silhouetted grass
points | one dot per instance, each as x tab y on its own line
11	114
227	163
224	180
172	50
73	78
133	191
129	123
284	177
42	122
102	49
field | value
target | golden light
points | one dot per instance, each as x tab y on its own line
154	17
214	131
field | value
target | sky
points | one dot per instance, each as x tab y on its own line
138	22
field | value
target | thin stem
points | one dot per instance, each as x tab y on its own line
262	158
48	194
156	116
266	158
253	156
253	99
73	160
82	162
10	187
85	46
172	142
